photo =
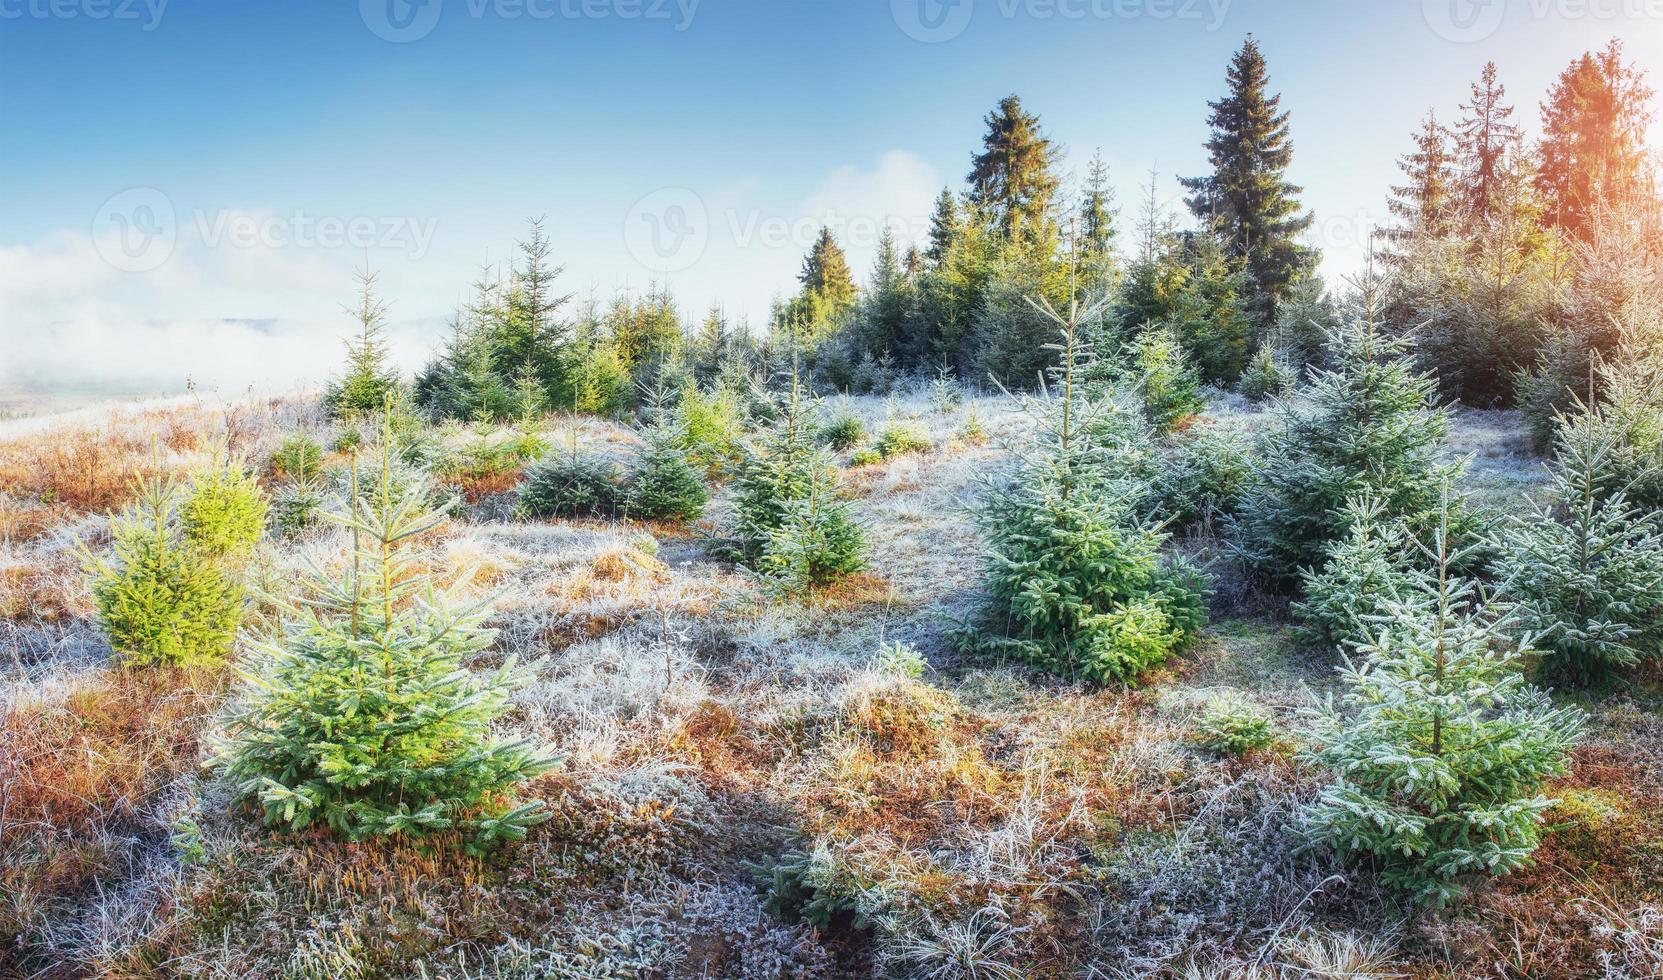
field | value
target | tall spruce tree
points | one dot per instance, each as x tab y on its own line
1593	147
528	343
1248	197
1094	244
827	296
1423	203
1485	141
1013	180
944	227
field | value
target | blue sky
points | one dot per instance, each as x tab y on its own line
262	149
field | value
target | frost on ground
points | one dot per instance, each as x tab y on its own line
750	789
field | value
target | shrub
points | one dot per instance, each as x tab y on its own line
297	457
574	484
869	456
662	485
224	511
843	431
971	432
1369	430
1167	383
900	438
901	659
1266	376
160	600
1587	567
365	719
1231	725
1439	748
1369	567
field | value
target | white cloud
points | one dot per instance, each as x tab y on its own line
229	314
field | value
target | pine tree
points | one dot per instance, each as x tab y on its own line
828	292
1368	428
1167	383
1075	578
953	292
1593	146
368	380
224	510
1439	747
1304	323
1095	247
1267	376
776	471
1148	294
1477	301
1485	142
944	227
817	541
1372	566
1587	567
1208	312
365	718
1424	202
161	601
1013	180
1248	197
662	485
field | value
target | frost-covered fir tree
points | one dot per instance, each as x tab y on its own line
1368	428
1076	581
363	716
1587	567
1439	747
1371	566
662	485
787	520
368	381
1626	412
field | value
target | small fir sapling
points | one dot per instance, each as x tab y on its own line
1439	747
363	716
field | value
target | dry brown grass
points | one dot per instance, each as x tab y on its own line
86	470
83	773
